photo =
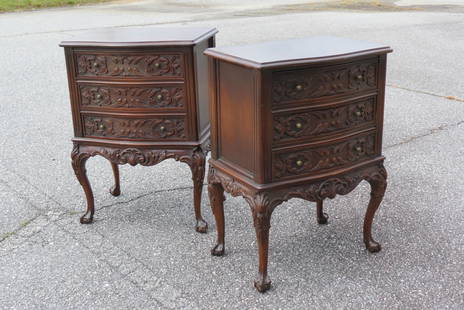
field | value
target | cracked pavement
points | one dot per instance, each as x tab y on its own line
142	251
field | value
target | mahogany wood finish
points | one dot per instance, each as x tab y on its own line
138	96
295	119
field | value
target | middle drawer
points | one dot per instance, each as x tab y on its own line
99	96
310	124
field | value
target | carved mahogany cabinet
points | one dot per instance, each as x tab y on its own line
298	118
140	96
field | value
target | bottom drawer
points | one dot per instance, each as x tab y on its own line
310	160
147	128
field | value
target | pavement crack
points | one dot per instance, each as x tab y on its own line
429	133
22	226
142	196
454	98
25	180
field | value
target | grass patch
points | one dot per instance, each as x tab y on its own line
16	5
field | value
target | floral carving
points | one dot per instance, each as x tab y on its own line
316	122
131	156
132	97
342	185
229	184
362	76
266	201
161	128
307	84
320	158
130	65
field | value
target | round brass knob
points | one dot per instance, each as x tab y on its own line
358	113
95	64
299	163
298	125
101	126
159	97
99	96
157	65
299	87
359	77
358	149
162	128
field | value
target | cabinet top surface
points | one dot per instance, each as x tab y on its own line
304	50
141	36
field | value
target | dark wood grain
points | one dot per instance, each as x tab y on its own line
146	36
313	50
295	119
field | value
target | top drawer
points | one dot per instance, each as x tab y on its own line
145	66
304	84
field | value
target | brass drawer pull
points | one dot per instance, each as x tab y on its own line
101	127
299	163
159	97
299	87
157	65
299	125
358	149
358	113
359	77
162	128
99	96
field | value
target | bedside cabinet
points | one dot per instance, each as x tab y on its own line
139	96
295	119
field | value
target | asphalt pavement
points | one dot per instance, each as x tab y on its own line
142	251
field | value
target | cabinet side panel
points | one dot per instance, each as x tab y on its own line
201	71
381	101
213	102
73	96
236	115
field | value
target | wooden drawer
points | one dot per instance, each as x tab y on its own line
304	84
295	125
305	160
130	65
140	96
144	128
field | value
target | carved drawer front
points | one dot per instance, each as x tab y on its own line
126	65
293	125
140	96
299	85
149	128
310	160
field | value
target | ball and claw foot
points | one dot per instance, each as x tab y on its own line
323	219
86	220
218	250
115	191
262	284
373	246
201	226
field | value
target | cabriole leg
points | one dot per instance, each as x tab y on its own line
216	197
262	222
78	163
321	216
378	184
197	165
115	190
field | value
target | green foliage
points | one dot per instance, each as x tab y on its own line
15	5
